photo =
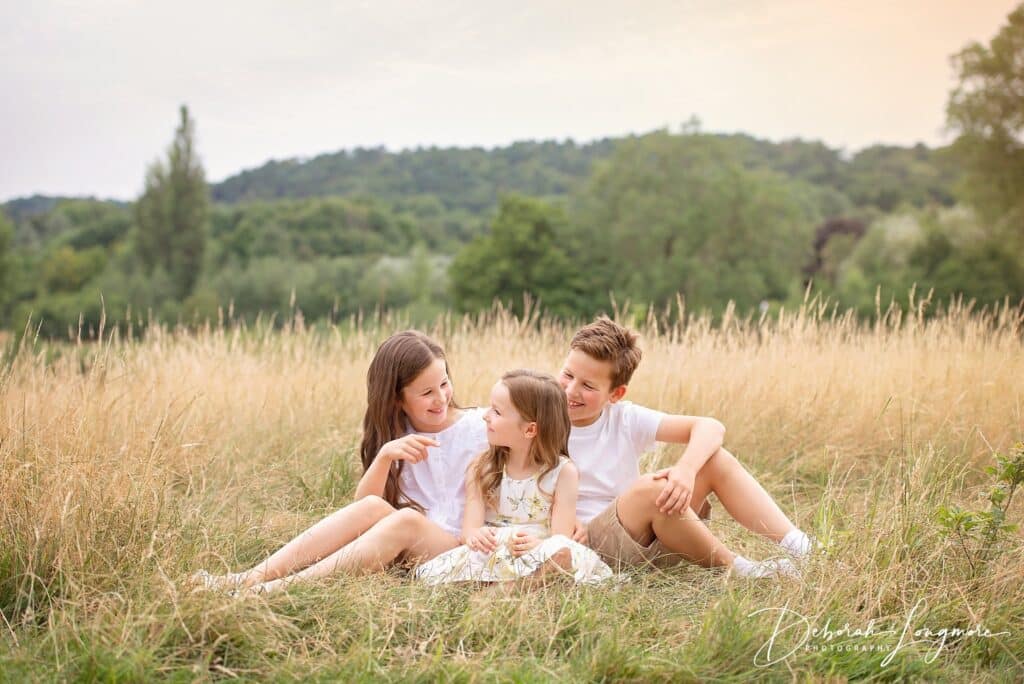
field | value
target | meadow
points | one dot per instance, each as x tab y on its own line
129	462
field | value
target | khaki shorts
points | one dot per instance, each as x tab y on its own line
607	536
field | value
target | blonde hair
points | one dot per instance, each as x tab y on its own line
606	340
538	398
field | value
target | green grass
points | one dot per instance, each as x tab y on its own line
140	622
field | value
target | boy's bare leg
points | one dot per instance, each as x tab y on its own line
742	496
403	534
319	541
683	534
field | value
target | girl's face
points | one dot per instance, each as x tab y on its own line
505	427
425	400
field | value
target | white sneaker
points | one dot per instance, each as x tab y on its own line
203	580
770	568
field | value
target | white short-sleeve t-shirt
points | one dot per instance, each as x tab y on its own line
607	453
438	483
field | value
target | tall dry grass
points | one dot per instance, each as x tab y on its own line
128	463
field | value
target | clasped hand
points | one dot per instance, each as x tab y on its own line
484	539
675	496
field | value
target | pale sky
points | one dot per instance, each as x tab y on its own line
91	88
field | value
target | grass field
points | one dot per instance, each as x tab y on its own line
130	463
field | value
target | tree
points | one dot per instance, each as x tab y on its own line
172	213
522	254
6	260
987	109
675	214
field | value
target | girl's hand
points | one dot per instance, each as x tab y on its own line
482	539
412	448
522	543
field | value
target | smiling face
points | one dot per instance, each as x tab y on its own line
505	427
426	399
588	387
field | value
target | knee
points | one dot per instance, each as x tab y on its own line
646	487
722	461
405	521
644	491
376	505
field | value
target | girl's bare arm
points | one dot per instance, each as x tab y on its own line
474	534
563	508
411	448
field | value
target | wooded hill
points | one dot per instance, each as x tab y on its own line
367	228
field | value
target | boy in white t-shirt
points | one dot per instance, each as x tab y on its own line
653	519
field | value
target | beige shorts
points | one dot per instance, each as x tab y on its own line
607	536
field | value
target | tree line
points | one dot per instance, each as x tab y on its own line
644	218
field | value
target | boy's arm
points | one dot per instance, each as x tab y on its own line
563	508
703	437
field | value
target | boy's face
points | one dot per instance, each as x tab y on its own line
588	387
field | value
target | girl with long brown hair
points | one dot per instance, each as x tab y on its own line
521	492
415	449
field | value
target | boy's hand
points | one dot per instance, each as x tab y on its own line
412	448
678	489
482	539
579	532
522	543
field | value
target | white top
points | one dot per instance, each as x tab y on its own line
607	453
438	483
526	503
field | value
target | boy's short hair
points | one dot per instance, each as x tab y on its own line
606	340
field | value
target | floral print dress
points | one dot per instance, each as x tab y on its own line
522	507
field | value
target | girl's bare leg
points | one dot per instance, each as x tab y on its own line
319	541
742	496
405	534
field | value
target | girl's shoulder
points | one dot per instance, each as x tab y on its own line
565	465
551	477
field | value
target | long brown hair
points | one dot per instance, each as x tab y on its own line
398	361
539	399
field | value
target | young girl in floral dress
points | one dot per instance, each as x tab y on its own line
520	493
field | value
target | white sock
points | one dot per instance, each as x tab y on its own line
743	566
769	568
796	543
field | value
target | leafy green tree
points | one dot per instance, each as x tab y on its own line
172	213
987	109
889	177
523	254
943	250
95	224
6	262
680	214
67	270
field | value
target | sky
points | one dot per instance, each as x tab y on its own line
91	88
